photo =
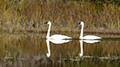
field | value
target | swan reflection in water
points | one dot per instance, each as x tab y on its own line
55	42
86	41
65	41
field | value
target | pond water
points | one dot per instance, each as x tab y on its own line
31	51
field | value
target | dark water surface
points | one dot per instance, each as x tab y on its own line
31	51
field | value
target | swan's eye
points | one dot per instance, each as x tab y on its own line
46	23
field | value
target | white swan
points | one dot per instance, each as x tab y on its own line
56	36
88	36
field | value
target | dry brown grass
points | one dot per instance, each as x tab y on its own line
63	15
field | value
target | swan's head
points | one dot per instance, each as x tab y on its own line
81	23
48	22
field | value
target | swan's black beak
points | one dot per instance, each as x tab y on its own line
46	23
77	24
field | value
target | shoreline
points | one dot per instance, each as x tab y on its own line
38	31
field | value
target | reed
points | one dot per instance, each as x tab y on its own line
28	14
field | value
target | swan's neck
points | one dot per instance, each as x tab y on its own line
48	33
81	35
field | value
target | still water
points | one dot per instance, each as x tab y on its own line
31	51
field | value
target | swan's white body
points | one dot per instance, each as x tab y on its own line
88	36
56	36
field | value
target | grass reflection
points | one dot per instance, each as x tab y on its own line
25	50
